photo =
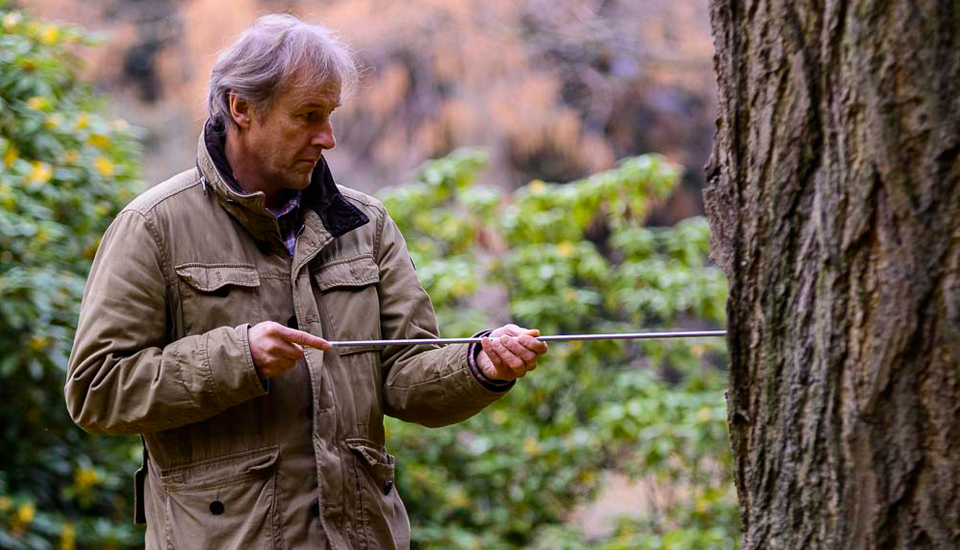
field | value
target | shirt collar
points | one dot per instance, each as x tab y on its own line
290	206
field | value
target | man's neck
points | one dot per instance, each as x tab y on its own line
248	178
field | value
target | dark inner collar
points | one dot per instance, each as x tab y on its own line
322	195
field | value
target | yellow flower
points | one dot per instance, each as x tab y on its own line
104	165
587	477
25	513
37	103
530	446
38	343
68	536
11	20
98	140
83	121
702	503
49	35
536	187
41	173
11	156
85	478
499	417
70	156
565	249
53	121
459	499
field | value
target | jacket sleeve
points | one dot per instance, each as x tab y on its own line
426	384
124	376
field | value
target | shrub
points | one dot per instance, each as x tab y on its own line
65	170
572	257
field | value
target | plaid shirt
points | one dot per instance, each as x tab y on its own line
288	219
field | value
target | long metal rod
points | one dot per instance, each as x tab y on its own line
547	338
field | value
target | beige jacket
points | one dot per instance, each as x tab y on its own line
161	350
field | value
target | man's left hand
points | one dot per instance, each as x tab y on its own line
510	352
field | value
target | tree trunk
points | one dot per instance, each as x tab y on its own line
834	199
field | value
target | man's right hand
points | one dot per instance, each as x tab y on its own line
276	348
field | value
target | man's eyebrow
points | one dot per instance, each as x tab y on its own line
313	104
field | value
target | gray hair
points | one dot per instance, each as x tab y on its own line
268	54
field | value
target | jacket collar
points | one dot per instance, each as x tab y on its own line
322	195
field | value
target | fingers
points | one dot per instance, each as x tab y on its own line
288	350
276	349
303	338
514	330
533	344
513	356
520	351
503	372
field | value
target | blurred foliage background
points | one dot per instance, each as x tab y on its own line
647	417
66	171
551	89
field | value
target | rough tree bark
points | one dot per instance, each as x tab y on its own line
834	199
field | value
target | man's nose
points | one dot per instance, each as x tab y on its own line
324	137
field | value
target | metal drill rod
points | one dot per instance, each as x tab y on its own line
549	338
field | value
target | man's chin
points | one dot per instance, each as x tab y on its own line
301	177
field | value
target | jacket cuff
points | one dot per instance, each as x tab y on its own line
230	365
473	352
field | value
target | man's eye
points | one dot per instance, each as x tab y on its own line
311	116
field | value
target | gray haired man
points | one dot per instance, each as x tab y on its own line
207	314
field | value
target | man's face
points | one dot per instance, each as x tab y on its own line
286	140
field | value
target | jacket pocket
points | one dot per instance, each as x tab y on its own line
349	300
217	295
381	515
224	502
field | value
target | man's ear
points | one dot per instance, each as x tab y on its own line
241	111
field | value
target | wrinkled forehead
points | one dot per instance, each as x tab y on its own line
309	86
313	76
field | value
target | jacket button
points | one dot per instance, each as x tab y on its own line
387	485
315	508
216	507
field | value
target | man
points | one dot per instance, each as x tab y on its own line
206	319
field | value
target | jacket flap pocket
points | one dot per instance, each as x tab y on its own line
378	462
357	271
220	471
350	350
208	278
